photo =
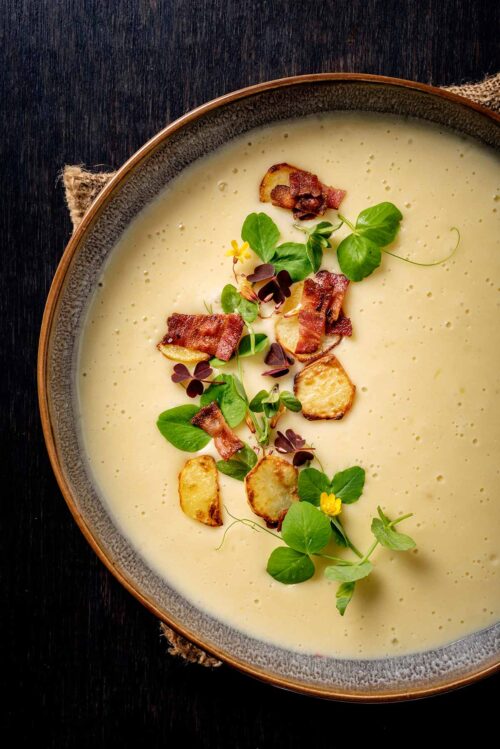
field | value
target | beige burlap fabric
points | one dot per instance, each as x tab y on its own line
82	186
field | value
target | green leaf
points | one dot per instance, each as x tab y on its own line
343	595
245	347
289	566
382	516
175	425
339	534
240	464
257	403
248	310
311	485
290	401
325	229
391	538
314	251
232	301
348	573
261	233
230	298
348	485
292	257
232	405
358	257
380	223
218	363
305	528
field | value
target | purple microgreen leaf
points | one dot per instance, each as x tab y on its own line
194	388
283	444
261	273
295	439
284	281
279	372
301	457
181	373
267	292
202	371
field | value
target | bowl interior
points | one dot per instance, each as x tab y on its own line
140	183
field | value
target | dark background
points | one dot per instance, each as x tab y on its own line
89	81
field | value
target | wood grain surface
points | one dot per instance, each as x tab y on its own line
89	81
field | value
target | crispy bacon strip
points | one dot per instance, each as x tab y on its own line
342	326
211	420
321	307
217	335
305	194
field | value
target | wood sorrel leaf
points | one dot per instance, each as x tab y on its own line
390	538
358	257
311	485
289	566
348	485
305	528
348	573
343	596
380	223
261	233
175	425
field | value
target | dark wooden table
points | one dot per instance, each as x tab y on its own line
89	81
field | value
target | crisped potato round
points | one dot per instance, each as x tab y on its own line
278	174
199	490
271	488
324	389
182	354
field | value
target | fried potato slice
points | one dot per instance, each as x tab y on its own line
278	174
271	488
324	389
182	354
199	490
287	328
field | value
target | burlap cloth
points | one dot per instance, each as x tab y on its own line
82	186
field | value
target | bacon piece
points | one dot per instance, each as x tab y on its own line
334	197
211	420
342	326
280	195
305	183
302	192
217	335
336	284
312	317
321	305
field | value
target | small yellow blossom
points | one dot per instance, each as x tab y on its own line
330	504
239	253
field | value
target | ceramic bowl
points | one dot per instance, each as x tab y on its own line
138	181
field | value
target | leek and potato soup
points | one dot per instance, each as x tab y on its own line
288	384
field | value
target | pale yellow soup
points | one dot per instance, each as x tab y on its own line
424	357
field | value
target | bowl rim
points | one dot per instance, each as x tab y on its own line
54	294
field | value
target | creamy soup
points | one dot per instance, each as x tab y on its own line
424	356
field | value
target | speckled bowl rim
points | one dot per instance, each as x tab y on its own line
448	682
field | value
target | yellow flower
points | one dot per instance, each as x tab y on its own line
239	253
330	504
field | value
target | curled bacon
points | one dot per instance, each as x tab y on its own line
321	308
211	420
217	335
304	194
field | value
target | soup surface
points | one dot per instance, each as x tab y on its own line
424	356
